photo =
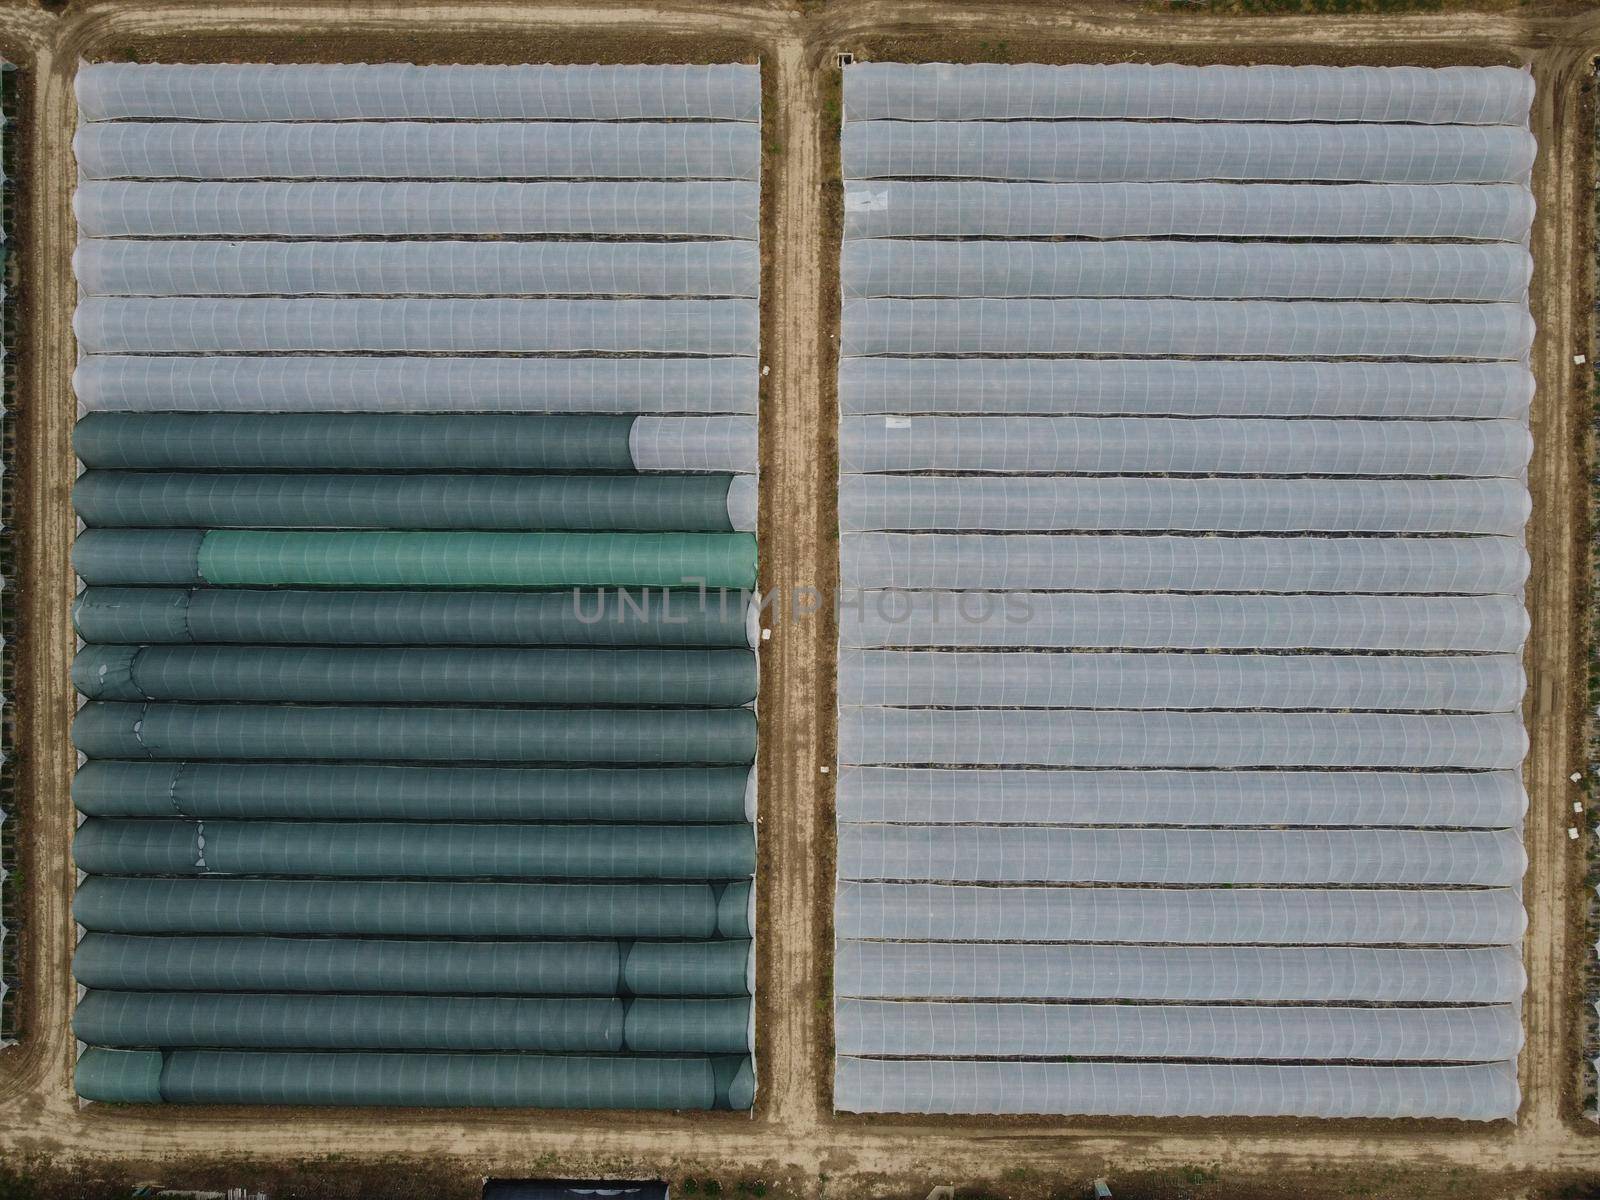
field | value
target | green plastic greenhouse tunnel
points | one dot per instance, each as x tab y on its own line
644	617
415	1080
416	559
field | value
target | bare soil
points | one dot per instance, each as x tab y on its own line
793	1144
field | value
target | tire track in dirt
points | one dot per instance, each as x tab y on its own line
1562	191
796	517
44	417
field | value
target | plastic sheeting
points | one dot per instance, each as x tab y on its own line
417	909
417	1080
140	325
412	559
312	791
720	968
416	734
415	441
117	499
413	208
1465	566
1209	329
348	407
1147	680
1184	504
426	909
1110	738
1480	799
431	150
393	91
1126	152
119	1076
1206	687
956	971
945	208
571	1189
1486	1092
1130	620
1184	388
479	559
1019	854
349	1022
432	268
145	556
1194	916
356	383
560	676
1199	505
287	617
567	968
698	444
1169	446
992	92
420	849
1192	270
334	441
867	1027
414	1023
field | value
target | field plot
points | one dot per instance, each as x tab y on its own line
420	406
796	1141
1183	447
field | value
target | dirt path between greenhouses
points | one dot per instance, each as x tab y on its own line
793	1141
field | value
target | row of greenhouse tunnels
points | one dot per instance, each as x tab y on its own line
1183	438
417	559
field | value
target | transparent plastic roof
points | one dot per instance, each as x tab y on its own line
1156	563
958	208
873	267
397	383
107	325
397	91
1107	679
924	1029
1237	857
418	150
432	268
1149	152
1480	1092
993	92
1331	799
1163	446
1205	329
130	208
1181	916
1184	387
998	971
1161	738
1152	621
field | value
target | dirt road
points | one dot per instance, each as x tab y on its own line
793	1137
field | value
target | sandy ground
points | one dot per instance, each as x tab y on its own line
793	1138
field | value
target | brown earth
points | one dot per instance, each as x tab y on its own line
793	1142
